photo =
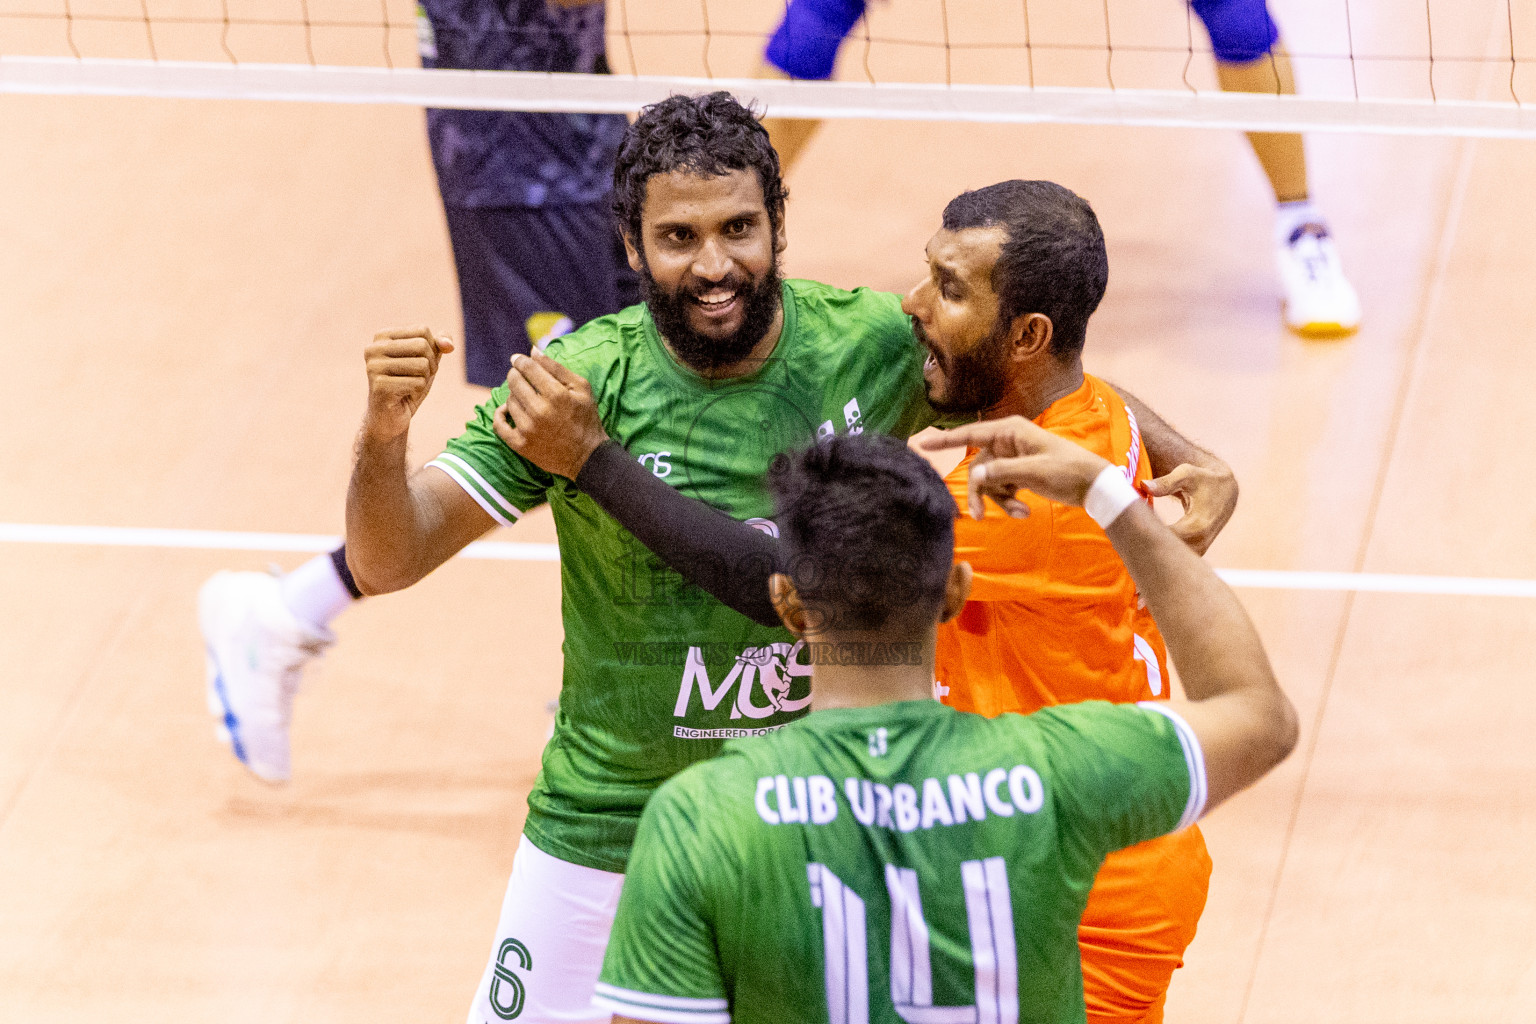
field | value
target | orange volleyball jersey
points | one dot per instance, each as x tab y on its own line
1053	616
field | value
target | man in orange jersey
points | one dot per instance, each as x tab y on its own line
1015	273
1053	616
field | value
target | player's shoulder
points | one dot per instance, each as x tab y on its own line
1092	415
860	308
1099	723
598	347
701	796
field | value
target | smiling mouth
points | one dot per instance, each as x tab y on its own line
717	300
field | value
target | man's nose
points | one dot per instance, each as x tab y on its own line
912	303
712	263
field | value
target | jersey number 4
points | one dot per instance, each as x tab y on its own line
989	913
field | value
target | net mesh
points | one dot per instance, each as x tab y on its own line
1444	66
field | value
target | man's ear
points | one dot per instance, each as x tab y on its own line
956	589
1031	334
632	253
786	601
781	234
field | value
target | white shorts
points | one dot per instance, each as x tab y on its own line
550	942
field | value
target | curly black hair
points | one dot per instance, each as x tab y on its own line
706	135
868	531
1053	259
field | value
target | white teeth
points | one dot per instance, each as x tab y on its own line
930	361
715	298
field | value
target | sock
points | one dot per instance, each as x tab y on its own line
1292	215
315	592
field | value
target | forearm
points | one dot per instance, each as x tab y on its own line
1208	633
724	557
387	525
1221	660
1166	448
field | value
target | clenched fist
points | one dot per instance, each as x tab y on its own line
401	366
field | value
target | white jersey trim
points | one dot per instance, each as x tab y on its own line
454	466
659	1008
1194	760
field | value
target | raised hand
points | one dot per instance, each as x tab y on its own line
1209	497
401	366
550	417
1015	453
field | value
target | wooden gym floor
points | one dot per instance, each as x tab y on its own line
187	287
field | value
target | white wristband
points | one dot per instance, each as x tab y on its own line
1110	495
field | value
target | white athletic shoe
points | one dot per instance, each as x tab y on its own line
1319	301
256	651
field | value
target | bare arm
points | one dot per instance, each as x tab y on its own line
1245	723
1203	483
400	527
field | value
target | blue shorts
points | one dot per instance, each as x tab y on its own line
527	274
1241	30
805	43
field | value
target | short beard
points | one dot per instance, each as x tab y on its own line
700	352
976	380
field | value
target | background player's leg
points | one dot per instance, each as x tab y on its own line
259	631
1281	154
1318	298
565	258
496	303
550	941
789	135
805	46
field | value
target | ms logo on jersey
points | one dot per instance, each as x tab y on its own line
775	670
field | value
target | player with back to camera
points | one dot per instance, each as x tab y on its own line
1317	299
887	858
1016	271
721	368
529	209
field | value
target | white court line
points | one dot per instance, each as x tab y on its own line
228	540
505	551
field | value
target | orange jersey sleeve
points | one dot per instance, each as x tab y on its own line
1054	617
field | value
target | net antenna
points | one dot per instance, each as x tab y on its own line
661	62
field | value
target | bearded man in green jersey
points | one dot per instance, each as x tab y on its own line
722	368
888	858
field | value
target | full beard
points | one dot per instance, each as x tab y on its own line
975	381
699	351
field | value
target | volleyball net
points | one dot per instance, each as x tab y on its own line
1442	67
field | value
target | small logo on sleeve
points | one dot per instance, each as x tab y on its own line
853	416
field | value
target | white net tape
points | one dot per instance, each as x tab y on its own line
1433	67
509	90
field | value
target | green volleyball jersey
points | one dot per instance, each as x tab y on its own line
907	862
657	672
